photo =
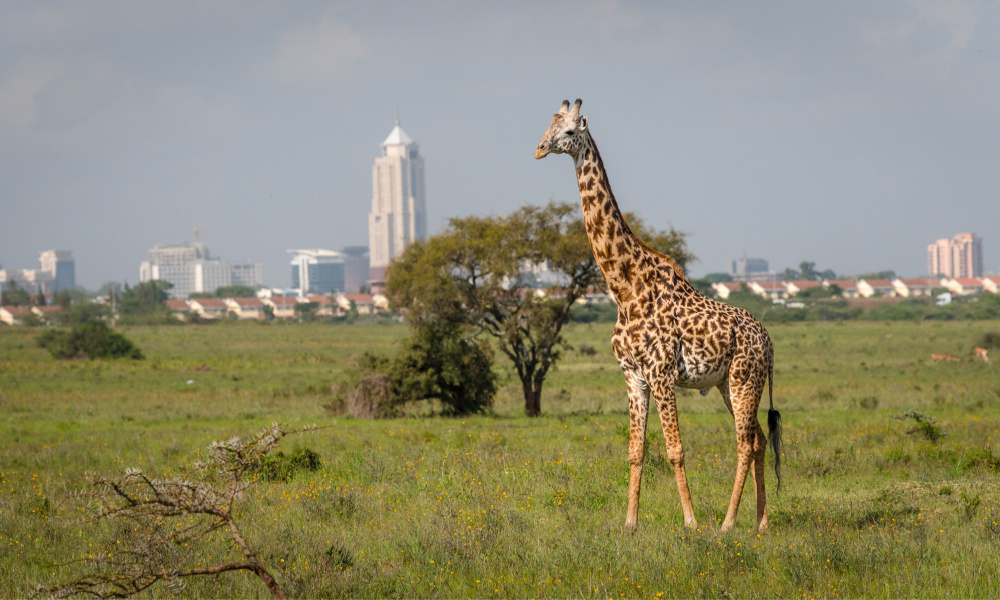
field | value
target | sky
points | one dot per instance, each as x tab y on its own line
850	134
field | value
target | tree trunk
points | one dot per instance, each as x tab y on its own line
532	398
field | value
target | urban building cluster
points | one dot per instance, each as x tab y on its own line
398	217
191	269
56	272
960	256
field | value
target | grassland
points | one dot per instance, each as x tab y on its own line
502	505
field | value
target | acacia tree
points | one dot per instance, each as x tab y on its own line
162	519
478	273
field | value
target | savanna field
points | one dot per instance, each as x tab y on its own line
507	506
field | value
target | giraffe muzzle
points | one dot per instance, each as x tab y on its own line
542	151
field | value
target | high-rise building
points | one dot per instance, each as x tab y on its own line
57	272
749	269
188	267
178	254
60	264
356	268
960	256
317	271
399	214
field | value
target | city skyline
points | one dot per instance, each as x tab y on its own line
848	135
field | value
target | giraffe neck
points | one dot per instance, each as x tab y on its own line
617	250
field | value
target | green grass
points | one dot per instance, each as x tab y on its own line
503	505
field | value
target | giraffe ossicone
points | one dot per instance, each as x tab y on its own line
669	335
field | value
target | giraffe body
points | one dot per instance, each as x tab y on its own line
669	335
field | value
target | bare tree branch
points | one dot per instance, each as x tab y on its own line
151	548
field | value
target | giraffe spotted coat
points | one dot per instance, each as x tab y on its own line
668	334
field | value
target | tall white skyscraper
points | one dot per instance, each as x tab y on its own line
399	213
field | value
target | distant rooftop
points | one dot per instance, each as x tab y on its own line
397	137
355	250
316	253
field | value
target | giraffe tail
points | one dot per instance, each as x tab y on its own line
773	420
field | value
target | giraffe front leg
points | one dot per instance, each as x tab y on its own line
638	395
666	404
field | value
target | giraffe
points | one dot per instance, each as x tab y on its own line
669	335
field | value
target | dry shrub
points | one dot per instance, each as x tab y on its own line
990	340
371	398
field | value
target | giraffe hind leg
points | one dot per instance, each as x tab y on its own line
759	450
745	399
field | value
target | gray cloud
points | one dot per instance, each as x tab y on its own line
316	53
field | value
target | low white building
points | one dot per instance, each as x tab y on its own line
775	290
964	286
724	288
209	308
794	287
876	287
246	308
282	307
12	315
848	287
915	287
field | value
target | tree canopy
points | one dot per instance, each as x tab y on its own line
235	291
146	302
14	295
481	273
807	271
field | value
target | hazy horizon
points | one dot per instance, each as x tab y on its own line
850	134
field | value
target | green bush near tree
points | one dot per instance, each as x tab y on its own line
438	362
88	340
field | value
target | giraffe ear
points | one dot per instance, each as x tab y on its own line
582	124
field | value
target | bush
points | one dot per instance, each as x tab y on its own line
606	312
371	398
978	457
990	340
88	340
281	467
924	425
438	361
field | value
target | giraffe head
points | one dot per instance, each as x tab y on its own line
566	133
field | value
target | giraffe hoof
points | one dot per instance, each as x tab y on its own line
726	526
691	523
762	527
631	526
